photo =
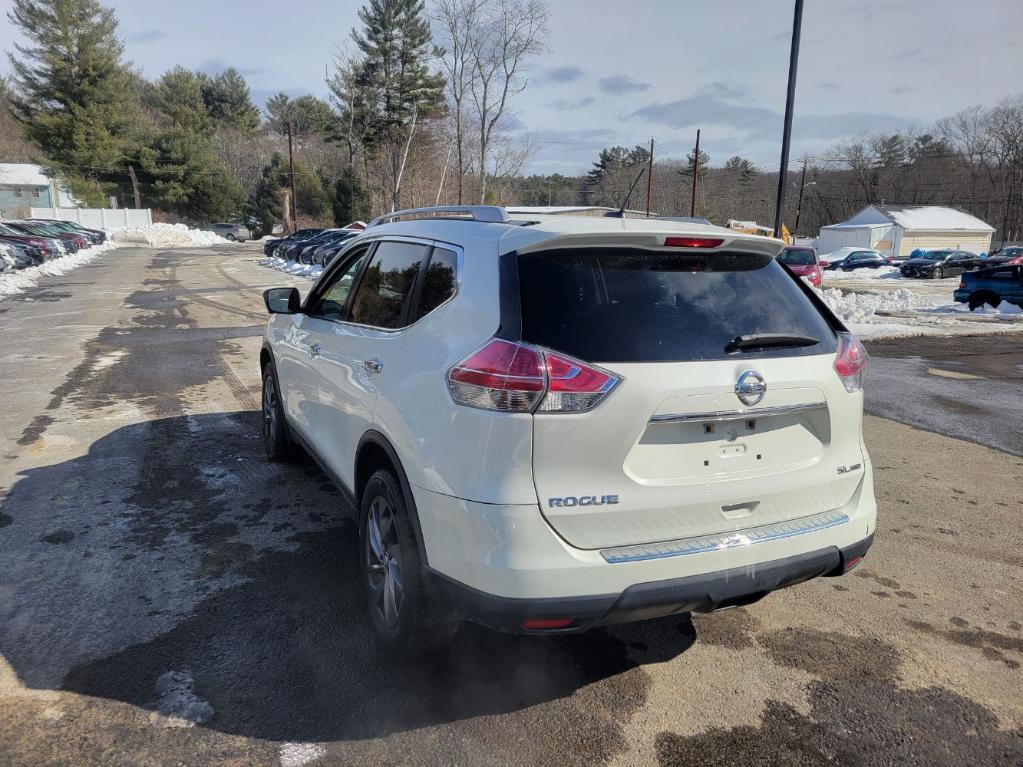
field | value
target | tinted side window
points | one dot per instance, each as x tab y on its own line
440	281
333	300
611	305
385	287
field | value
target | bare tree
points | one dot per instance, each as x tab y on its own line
509	35
456	24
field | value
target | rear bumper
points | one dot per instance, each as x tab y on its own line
498	565
696	593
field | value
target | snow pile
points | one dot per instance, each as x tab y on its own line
861	307
882	272
169	236
1003	308
14	282
312	271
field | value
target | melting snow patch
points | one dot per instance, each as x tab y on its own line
177	705
169	236
298	754
12	283
312	271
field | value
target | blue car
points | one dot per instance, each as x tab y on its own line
991	287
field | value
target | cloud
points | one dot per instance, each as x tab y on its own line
217	65
618	84
563	105
563	74
703	110
827	85
146	36
899	90
757	123
724	90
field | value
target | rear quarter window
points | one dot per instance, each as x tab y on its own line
621	305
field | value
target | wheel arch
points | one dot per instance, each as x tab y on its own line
375	452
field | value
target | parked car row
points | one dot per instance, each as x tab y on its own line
310	246
30	242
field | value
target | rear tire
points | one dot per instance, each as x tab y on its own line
401	617
982	297
276	440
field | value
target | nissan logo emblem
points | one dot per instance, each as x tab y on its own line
750	388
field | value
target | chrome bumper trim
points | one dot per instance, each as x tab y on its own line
735	415
720	541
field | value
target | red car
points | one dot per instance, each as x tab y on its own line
1010	256
803	263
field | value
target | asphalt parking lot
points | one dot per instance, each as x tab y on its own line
169	597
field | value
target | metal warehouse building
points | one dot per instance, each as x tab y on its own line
900	231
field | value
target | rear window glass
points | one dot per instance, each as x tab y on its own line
440	281
797	257
613	305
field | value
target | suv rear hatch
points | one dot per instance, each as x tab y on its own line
673	452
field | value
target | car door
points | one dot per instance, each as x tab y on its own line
300	342
956	263
356	354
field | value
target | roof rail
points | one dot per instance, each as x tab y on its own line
491	214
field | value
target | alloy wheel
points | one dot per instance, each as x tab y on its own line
270	424
384	561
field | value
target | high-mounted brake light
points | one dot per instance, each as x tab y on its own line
850	361
520	378
692	242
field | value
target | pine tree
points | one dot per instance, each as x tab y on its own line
229	102
396	45
307	114
72	91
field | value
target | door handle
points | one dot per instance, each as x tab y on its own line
373	366
314	350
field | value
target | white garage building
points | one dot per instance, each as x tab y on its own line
900	231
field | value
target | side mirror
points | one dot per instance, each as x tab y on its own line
282	301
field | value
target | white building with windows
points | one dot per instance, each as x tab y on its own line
898	231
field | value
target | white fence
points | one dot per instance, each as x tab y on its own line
99	218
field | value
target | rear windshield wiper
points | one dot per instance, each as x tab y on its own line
768	341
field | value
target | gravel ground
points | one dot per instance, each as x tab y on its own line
169	597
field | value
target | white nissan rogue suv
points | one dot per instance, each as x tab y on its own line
550	423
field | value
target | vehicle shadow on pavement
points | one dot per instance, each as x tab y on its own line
183	554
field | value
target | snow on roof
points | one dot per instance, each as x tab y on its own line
924	217
22	174
933	217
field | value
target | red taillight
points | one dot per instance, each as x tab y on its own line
691	242
546	624
516	377
574	386
850	361
850	563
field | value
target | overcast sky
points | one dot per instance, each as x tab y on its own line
623	71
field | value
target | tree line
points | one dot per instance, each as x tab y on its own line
972	160
417	112
420	109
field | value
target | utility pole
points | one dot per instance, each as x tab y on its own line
696	174
799	203
649	177
291	174
790	97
